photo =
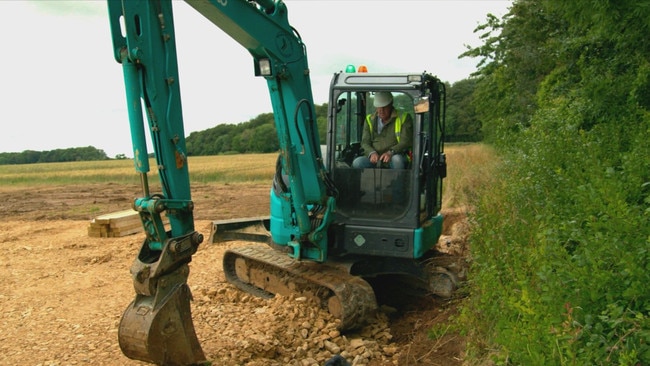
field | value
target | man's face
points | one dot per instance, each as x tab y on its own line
384	112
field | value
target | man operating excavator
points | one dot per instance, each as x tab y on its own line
387	136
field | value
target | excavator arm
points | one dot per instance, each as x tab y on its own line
157	326
262	27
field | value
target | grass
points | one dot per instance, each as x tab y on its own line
256	168
469	167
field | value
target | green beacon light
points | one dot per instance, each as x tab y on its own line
350	69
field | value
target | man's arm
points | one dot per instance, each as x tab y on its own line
366	140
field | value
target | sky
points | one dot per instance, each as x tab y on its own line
61	87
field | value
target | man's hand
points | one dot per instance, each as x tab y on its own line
374	157
385	157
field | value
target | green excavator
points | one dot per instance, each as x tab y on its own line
334	229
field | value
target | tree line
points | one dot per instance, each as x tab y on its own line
258	135
88	153
561	237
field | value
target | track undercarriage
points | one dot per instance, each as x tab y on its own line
347	289
264	271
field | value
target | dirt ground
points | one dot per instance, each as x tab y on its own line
62	293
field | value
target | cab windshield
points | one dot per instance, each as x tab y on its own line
378	191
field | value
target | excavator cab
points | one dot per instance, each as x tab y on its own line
380	192
383	211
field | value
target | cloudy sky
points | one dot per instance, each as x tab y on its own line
62	88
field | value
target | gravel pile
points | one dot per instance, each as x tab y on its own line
283	331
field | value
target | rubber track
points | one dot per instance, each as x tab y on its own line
355	295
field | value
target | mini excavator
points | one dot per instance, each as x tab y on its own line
334	231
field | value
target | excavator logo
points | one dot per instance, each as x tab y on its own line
359	240
283	44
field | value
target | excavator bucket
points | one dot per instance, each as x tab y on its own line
163	333
253	229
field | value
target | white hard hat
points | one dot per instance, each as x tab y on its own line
382	99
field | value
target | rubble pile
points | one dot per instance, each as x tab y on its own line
288	331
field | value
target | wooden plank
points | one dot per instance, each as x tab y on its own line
125	232
122	223
117	224
117	214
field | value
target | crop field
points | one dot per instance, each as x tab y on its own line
250	168
467	163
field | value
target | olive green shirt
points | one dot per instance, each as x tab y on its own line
387	140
